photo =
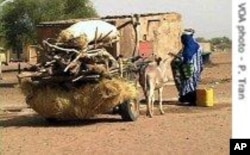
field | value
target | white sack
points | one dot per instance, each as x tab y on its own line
86	30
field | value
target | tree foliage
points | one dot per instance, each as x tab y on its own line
19	18
221	43
84	8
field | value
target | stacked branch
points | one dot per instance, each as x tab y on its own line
78	54
71	65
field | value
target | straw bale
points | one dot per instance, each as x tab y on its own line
78	103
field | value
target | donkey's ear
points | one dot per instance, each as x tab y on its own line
158	60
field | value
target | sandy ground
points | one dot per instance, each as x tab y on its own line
182	130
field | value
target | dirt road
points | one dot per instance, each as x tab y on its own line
182	130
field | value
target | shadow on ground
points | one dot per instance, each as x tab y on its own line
173	106
8	85
35	120
17	119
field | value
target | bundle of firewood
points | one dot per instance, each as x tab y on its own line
73	65
79	54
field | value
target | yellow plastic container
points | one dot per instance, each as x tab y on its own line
205	97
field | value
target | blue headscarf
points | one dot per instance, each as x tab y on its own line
190	47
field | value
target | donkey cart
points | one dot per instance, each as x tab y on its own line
78	78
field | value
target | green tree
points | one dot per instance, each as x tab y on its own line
84	9
221	43
18	19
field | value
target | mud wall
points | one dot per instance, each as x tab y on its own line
163	30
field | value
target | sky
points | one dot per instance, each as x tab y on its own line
210	18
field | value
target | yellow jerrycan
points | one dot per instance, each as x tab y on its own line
205	97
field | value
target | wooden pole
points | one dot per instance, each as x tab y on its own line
136	26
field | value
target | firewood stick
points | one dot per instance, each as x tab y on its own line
78	57
95	40
101	52
101	44
60	48
105	36
94	51
90	77
78	78
120	66
49	63
28	74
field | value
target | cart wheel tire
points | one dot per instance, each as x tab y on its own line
52	120
129	110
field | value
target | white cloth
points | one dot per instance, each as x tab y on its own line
90	27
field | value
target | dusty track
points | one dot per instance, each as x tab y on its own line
182	130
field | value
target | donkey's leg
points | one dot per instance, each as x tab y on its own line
160	91
152	103
151	98
150	106
147	99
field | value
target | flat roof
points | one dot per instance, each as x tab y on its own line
72	21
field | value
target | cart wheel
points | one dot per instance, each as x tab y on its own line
52	120
129	110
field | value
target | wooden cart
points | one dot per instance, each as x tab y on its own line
74	66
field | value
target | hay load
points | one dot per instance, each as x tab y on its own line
79	78
54	101
84	32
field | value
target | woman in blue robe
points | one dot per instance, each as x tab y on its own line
187	68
